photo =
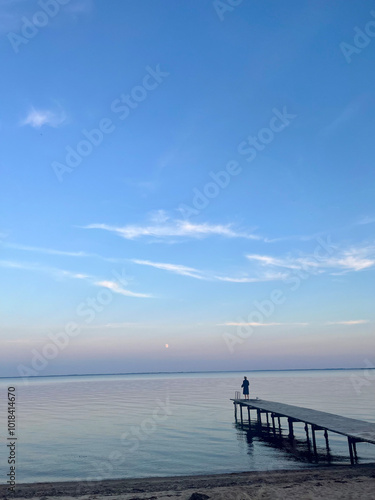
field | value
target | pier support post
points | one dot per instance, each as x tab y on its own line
235	411
241	414
326	438
268	422
259	417
273	425
355	450
314	441
307	437
249	429
278	419
350	450
291	433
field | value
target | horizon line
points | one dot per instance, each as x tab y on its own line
186	372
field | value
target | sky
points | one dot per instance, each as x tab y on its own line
186	185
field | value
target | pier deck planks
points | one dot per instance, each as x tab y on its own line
351	427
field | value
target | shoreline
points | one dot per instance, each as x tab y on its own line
331	482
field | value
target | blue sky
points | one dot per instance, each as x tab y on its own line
186	185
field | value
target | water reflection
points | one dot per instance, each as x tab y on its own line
276	437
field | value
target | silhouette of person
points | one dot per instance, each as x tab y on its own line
245	385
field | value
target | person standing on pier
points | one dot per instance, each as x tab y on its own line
245	385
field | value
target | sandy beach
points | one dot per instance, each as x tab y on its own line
344	483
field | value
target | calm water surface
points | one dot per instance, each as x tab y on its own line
93	427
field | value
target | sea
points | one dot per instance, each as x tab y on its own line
95	427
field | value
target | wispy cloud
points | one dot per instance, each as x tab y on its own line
207	275
230	323
64	253
10	15
347	114
349	323
145	187
173	268
293	324
276	276
21	342
8	21
59	274
267	260
12	12
162	226
116	288
165	228
80	7
366	219
352	261
119	325
52	271
344	260
36	118
293	237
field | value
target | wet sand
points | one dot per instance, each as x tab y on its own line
344	482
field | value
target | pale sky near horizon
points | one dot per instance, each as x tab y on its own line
186	185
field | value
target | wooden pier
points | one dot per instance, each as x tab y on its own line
355	430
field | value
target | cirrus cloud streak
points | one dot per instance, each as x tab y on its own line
175	228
